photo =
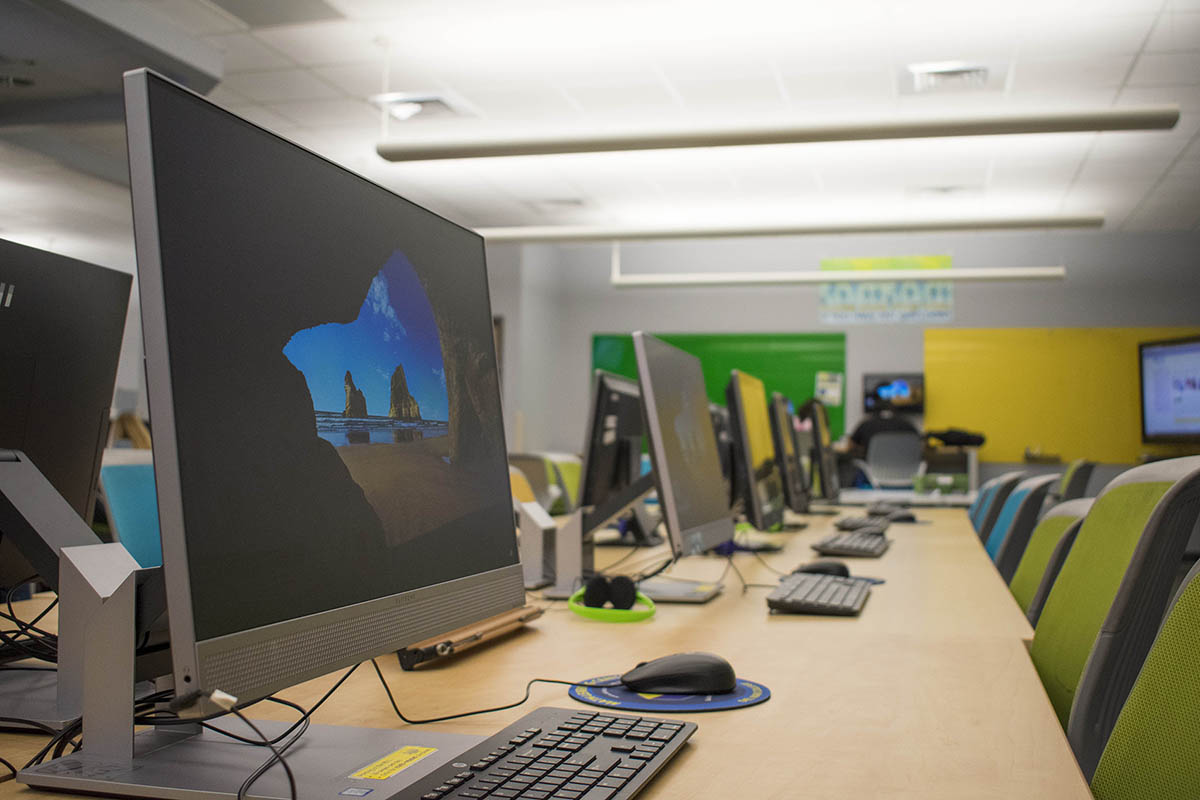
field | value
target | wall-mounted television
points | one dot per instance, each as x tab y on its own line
1170	390
894	392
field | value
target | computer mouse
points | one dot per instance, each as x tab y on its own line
825	567
902	515
682	673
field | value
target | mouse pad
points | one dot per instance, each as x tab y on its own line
747	693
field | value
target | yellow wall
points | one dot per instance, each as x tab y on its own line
1071	392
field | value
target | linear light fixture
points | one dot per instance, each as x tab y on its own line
585	233
484	146
670	280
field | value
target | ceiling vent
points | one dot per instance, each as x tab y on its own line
931	77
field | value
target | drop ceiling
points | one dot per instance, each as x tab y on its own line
545	65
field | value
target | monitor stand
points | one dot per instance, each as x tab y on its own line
639	529
98	586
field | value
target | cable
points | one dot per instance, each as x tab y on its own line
763	561
620	560
276	755
524	699
8	766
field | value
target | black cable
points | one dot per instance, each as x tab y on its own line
29	723
620	560
738	572
8	766
524	699
763	561
276	755
7	668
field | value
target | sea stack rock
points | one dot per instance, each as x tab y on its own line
404	405
356	401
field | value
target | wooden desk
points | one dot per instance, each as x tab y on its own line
929	694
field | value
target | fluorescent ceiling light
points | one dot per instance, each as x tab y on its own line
587	233
665	280
484	146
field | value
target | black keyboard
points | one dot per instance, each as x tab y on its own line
858	523
559	754
862	542
816	593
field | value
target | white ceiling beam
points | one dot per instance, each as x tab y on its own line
586	233
501	144
667	280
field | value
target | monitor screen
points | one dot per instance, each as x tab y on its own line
328	446
1171	390
720	422
824	460
755	449
894	392
682	446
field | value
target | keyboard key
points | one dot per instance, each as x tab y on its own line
581	760
611	783
598	793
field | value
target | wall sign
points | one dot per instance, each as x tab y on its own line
882	302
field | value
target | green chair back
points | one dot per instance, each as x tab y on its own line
1075	479
1101	615
1153	749
1042	544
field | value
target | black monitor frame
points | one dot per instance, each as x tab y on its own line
783	432
729	472
824	459
612	457
762	487
1169	438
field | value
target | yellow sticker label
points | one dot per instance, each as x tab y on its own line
395	762
649	696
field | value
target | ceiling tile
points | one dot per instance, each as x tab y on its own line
339	42
243	52
1187	97
1083	31
280	85
261	115
540	103
731	96
196	18
845	88
624	100
223	95
1175	31
326	113
1059	74
1166	69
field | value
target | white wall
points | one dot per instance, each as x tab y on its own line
565	297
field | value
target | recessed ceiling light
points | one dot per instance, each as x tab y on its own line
940	76
406	105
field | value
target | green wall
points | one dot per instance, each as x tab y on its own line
785	362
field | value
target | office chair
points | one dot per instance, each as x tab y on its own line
568	472
982	496
522	491
1018	516
894	459
989	510
1151	751
1044	555
540	475
1075	480
1100	617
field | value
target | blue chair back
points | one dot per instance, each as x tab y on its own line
129	498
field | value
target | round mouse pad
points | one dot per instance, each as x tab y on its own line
747	693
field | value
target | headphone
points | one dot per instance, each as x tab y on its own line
620	591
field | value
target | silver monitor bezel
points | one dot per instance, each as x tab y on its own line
367	629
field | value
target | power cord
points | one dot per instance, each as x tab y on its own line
524	699
8	766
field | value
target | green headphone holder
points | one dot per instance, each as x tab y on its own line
575	603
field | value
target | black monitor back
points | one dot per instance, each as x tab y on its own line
612	460
824	459
762	490
61	323
795	487
729	472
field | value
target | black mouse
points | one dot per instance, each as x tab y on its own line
902	515
682	673
825	567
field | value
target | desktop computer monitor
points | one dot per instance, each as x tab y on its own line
787	455
683	448
1170	390
612	458
61	324
328	447
904	393
824	459
754	450
720	422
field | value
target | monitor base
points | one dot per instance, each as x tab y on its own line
181	766
32	695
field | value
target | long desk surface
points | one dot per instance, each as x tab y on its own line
929	694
